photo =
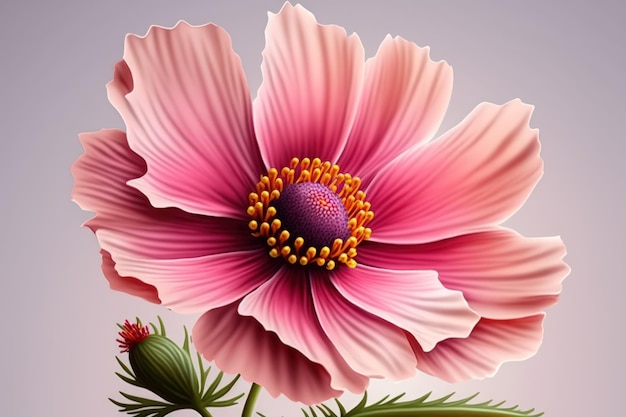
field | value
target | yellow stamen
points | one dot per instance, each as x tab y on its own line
271	212
298	243
253	198
283	237
275	226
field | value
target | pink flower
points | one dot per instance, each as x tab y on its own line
202	207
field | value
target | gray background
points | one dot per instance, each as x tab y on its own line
58	315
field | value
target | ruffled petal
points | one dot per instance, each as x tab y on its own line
405	96
474	176
284	305
491	343
184	98
240	345
370	345
193	285
312	76
101	172
129	285
132	225
412	300
502	274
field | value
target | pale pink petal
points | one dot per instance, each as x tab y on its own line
370	345
474	176
405	96
192	285
412	300
240	345
284	305
137	228
129	285
101	172
184	98
480	355
502	275
312	76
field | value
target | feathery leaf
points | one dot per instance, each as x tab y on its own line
441	407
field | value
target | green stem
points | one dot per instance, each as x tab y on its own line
248	407
203	412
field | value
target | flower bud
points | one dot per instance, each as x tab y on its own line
160	365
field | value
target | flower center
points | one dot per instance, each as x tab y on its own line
311	210
310	213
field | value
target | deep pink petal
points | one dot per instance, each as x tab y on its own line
413	300
480	355
134	226
312	76
284	305
474	176
240	345
502	274
405	96
370	345
184	98
193	285
129	285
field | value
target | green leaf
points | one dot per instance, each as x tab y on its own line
440	407
144	407
130	381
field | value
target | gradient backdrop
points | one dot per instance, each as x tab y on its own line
567	58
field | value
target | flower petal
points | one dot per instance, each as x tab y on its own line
480	355
101	172
311	81
284	305
474	176
240	345
193	285
133	225
405	97
412	300
129	285
502	274
370	345
185	101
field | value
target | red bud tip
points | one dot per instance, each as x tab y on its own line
131	335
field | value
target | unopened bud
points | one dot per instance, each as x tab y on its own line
160	364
